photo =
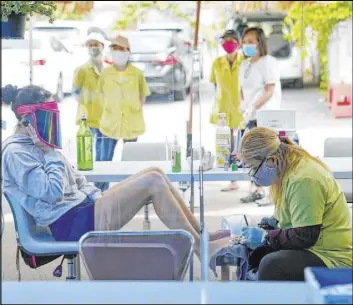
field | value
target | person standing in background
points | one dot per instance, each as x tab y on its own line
86	88
224	76
260	89
124	90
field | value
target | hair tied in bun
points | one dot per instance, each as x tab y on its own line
9	94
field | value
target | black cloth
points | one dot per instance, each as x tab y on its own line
287	265
293	239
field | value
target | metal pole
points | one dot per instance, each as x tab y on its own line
189	123
30	30
189	151
302	37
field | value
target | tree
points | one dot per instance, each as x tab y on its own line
73	10
44	8
322	19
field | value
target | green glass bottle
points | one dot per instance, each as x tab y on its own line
84	140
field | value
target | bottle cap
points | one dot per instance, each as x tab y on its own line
83	116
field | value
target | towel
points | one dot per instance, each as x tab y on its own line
238	253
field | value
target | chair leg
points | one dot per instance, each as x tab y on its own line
146	222
225	273
78	268
70	268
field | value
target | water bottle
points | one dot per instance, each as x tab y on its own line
84	146
176	156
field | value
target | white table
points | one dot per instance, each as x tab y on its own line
98	292
118	171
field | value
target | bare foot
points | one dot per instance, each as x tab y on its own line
219	234
213	247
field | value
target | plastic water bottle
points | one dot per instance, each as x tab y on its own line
222	141
84	140
176	156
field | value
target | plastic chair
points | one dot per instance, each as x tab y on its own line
340	147
135	151
132	256
38	241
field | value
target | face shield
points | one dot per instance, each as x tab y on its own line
45	119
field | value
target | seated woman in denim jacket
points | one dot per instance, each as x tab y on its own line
41	179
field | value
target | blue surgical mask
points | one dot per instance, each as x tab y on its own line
265	175
249	50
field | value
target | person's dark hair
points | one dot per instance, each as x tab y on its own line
11	95
261	38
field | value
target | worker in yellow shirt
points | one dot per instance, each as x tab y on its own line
86	88
124	90
224	76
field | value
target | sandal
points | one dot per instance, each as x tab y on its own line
230	187
252	197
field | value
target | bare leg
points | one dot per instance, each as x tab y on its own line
178	198
190	216
120	204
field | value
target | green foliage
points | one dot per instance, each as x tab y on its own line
70	16
322	18
131	12
45	8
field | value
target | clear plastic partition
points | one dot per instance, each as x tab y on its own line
149	256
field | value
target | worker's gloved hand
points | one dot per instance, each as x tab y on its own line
268	223
253	236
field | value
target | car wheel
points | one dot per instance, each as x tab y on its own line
298	83
180	79
59	89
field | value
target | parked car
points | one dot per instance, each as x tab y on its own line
165	61
286	53
183	31
52	63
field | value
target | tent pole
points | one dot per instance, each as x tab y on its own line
302	37
189	150
30	30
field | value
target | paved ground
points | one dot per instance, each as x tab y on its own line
314	124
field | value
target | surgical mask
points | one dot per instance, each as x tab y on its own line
249	50
265	175
229	46
120	58
94	52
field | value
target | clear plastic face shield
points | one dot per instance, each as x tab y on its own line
45	119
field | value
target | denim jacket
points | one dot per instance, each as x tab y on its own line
45	185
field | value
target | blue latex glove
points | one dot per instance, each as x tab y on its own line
268	222
253	236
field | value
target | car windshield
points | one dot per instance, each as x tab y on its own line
149	43
278	47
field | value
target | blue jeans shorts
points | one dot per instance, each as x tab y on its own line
75	222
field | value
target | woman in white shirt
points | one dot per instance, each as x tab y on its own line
260	88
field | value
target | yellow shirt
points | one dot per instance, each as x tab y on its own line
90	100
227	97
123	114
313	197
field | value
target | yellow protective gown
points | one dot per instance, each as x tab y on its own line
226	79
